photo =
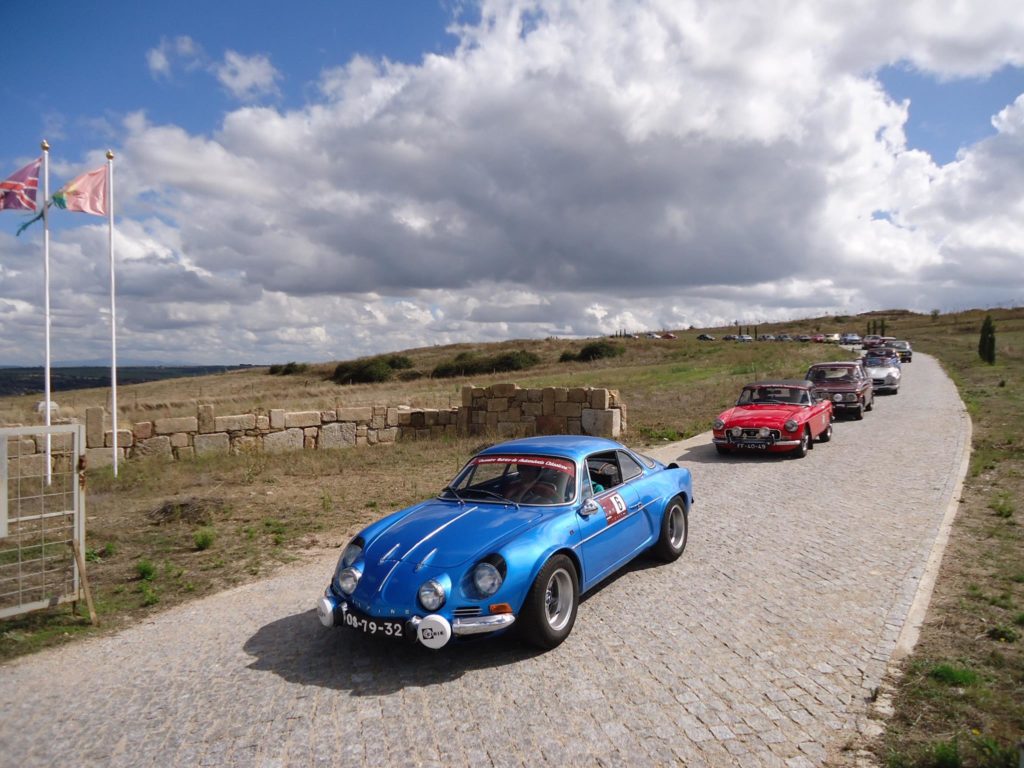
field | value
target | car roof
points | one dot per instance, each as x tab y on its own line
565	446
781	383
835	363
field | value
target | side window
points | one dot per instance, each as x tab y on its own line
630	468
603	471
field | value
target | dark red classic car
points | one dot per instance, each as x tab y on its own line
774	416
846	384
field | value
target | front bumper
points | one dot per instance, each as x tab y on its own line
433	630
769	443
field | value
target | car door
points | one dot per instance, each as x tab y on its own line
614	527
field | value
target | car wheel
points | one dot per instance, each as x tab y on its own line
859	413
805	444
550	607
825	436
722	449
674	532
869	404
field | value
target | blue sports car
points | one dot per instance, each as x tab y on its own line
522	531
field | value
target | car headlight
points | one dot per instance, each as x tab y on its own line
348	579
838	397
487	579
431	595
718	424
791	425
851	397
736	431
890	379
763	432
351	553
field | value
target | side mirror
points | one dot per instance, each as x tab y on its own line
589	508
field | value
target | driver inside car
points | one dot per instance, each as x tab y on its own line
531	485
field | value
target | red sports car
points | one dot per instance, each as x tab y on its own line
774	416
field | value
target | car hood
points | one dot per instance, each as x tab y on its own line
760	415
878	371
446	533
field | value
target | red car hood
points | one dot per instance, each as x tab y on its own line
760	415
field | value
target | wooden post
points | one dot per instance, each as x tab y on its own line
85	582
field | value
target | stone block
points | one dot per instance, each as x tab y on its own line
301	419
180	439
387	435
467	395
601	423
245	444
532	410
356	414
378	420
238	423
497	404
277	418
21	446
534	395
507	389
143	430
574	427
184	453
391	418
548	401
430	417
569	410
282	442
169	426
262	423
154	446
600	399
326	417
405	418
206	419
371	437
212	444
578	395
124	438
99	457
58	443
561	395
29	465
551	425
337	435
94	427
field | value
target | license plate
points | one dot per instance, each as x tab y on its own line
759	445
372	625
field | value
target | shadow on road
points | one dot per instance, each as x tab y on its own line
301	650
707	454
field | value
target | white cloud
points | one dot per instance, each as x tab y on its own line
571	169
181	51
248	77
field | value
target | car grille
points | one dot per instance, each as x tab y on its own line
755	434
879	382
473	610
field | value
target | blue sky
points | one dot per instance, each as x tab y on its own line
354	177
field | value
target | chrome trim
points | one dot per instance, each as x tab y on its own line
482	624
388	554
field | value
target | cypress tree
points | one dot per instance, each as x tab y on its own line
987	341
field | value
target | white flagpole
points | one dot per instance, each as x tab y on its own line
113	311
46	301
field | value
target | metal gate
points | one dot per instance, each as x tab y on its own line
42	516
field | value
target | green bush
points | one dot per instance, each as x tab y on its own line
599	349
568	357
145	569
468	364
399	362
203	538
287	369
372	371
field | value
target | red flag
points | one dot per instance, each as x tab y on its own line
18	192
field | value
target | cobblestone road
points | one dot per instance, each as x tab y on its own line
760	646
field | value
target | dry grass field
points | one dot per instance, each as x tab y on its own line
164	533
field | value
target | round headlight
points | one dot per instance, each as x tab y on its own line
838	397
351	554
487	579
431	595
718	424
763	432
348	579
890	379
791	425
736	431
851	397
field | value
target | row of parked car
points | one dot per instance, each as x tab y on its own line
792	415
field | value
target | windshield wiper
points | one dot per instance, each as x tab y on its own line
492	493
453	492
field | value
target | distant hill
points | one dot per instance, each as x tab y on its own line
24	381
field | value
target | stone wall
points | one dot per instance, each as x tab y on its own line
501	410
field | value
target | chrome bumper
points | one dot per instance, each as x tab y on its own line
726	441
478	625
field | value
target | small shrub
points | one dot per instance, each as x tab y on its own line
568	357
92	555
399	362
149	595
1019	619
372	371
1003	634
950	675
945	754
204	538
145	569
468	364
1002	506
599	349
288	369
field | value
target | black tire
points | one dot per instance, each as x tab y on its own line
805	445
869	405
675	530
859	414
722	450
549	610
825	436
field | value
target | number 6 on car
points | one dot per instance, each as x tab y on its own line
522	531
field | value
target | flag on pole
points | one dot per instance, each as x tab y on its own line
87	193
18	191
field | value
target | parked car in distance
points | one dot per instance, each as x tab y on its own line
729	337
871	340
904	349
766	337
774	416
705	337
846	383
884	371
744	337
523	530
851	339
651	336
818	338
803	337
783	337
668	336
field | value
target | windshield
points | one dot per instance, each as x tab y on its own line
774	396
518	479
827	374
877	362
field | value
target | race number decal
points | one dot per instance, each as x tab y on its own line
614	508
